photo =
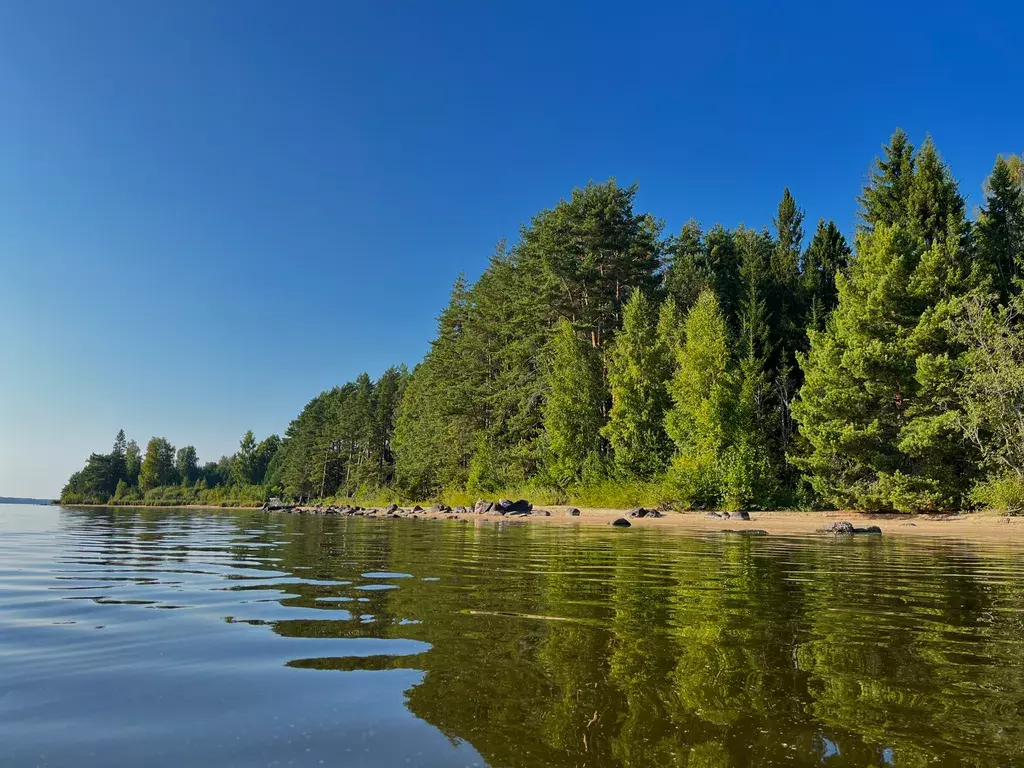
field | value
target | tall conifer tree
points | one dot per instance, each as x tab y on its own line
639	367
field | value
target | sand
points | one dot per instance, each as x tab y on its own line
975	526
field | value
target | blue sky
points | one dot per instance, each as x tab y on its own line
212	211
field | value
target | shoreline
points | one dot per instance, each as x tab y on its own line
970	526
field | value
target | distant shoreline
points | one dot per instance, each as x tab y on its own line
971	526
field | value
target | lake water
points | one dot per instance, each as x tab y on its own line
150	637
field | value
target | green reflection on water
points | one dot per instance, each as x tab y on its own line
566	646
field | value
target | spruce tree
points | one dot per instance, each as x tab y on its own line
933	202
723	264
826	256
703	392
118	458
761	426
639	367
784	293
885	198
687	273
1000	229
572	411
877	410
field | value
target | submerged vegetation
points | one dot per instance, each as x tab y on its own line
600	361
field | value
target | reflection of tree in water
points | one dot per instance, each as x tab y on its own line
907	651
573	647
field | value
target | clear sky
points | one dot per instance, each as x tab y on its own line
212	211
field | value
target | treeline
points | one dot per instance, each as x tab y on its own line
164	476
599	359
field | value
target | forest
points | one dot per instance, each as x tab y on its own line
603	361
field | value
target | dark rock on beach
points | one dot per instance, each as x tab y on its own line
620	523
572	512
846	527
639	512
742	515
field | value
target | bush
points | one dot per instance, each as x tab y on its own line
1004	493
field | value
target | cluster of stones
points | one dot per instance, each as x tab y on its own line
502	507
847	528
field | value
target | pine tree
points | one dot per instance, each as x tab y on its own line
592	250
703	392
1000	228
826	256
639	367
572	412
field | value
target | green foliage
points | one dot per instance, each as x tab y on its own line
990	389
885	199
1003	492
688	272
589	252
572	412
244	465
158	465
703	391
639	366
187	465
1000	227
826	256
909	373
132	463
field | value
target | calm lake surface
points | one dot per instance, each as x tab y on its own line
134	637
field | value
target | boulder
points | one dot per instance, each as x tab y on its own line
843	526
504	505
391	508
460	510
572	512
519	506
714	515
541	513
744	515
483	507
655	513
417	508
620	522
639	512
518	513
